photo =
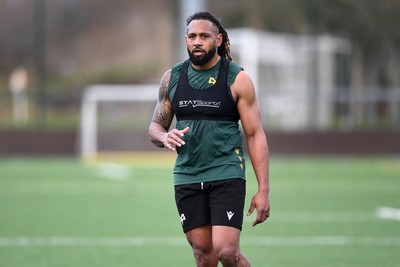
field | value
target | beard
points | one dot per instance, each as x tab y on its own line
204	59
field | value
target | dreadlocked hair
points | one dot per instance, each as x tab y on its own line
224	50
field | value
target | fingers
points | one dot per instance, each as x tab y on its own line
258	218
262	216
263	210
174	138
185	130
251	209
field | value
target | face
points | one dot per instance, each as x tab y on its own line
202	41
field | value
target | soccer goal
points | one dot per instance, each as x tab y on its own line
115	119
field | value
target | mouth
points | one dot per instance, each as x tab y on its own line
198	52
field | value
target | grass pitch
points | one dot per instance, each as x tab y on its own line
325	211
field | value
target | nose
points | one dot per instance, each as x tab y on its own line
197	41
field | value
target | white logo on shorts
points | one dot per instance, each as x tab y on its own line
183	218
230	214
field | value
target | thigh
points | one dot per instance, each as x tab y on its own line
192	205
200	238
225	236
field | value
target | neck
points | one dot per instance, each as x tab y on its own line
213	61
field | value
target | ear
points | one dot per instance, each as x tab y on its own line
219	39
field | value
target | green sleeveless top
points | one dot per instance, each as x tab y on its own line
213	149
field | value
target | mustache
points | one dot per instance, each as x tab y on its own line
197	49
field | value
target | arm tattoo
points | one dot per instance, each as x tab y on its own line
165	113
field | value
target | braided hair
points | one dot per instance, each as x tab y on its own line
224	50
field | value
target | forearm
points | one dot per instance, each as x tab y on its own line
259	156
157	134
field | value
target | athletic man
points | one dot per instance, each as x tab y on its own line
209	94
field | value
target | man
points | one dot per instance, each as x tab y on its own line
208	94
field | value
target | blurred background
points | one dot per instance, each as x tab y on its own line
326	72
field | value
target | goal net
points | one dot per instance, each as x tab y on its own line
115	120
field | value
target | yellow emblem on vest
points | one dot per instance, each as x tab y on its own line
212	80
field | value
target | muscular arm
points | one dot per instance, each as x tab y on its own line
243	89
163	114
162	119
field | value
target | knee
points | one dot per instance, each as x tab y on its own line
200	251
204	255
228	255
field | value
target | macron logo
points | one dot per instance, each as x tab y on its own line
183	218
230	214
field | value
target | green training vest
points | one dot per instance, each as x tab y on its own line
213	149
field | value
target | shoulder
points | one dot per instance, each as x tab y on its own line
173	77
177	68
234	67
166	78
243	85
164	85
172	72
243	80
234	70
175	72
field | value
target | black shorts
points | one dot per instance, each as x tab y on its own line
211	203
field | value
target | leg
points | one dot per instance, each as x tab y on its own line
200	239
226	246
227	204
192	204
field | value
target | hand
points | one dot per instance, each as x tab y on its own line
174	138
260	202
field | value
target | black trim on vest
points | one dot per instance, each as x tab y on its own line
213	103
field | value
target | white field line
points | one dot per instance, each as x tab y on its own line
321	217
381	213
59	241
113	171
388	213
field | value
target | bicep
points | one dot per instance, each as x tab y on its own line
247	104
163	112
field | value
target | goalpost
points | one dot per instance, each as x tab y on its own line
111	117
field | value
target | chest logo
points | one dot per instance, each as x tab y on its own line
199	103
212	80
